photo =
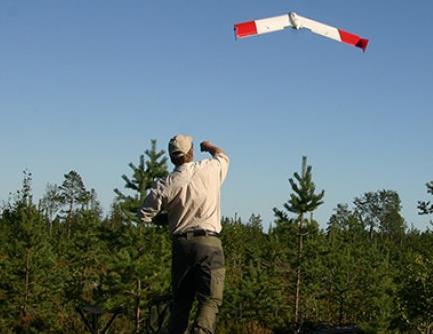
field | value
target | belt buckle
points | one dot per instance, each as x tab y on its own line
211	233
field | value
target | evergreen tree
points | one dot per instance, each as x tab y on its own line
73	196
50	204
253	298
301	201
94	204
380	211
426	207
360	275
28	277
413	298
138	267
365	268
136	264
143	176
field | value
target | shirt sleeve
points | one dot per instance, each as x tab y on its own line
152	204
223	162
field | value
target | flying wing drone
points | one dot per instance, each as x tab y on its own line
295	21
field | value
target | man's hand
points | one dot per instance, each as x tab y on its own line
161	219
206	146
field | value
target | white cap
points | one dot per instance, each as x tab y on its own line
179	145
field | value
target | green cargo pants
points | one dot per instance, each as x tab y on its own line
197	272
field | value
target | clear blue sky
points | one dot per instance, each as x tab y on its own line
86	85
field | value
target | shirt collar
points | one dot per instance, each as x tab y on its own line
183	166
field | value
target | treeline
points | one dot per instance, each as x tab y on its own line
365	269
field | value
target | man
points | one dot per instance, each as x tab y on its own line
190	196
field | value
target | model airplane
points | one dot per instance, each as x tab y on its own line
295	21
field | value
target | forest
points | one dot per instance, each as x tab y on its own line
67	268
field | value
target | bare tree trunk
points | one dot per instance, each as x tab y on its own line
69	218
298	273
26	280
137	306
27	266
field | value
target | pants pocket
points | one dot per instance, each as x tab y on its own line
217	284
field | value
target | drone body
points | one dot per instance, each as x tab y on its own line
295	21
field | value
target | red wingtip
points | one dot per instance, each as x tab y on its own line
362	43
245	29
353	39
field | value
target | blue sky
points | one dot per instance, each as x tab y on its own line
86	85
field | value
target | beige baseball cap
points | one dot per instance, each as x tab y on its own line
179	145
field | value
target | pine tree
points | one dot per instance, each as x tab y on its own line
138	266
50	204
426	207
301	201
28	278
73	196
143	176
358	274
380	212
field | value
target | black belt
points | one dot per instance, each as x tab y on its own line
196	233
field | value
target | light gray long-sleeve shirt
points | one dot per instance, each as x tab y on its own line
190	195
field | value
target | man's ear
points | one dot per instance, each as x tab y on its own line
190	155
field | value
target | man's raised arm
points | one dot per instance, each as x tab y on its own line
206	146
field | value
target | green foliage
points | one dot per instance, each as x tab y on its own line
143	176
380	211
379	279
73	193
414	296
28	275
253	297
426	207
303	199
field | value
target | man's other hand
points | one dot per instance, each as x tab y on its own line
161	219
205	146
